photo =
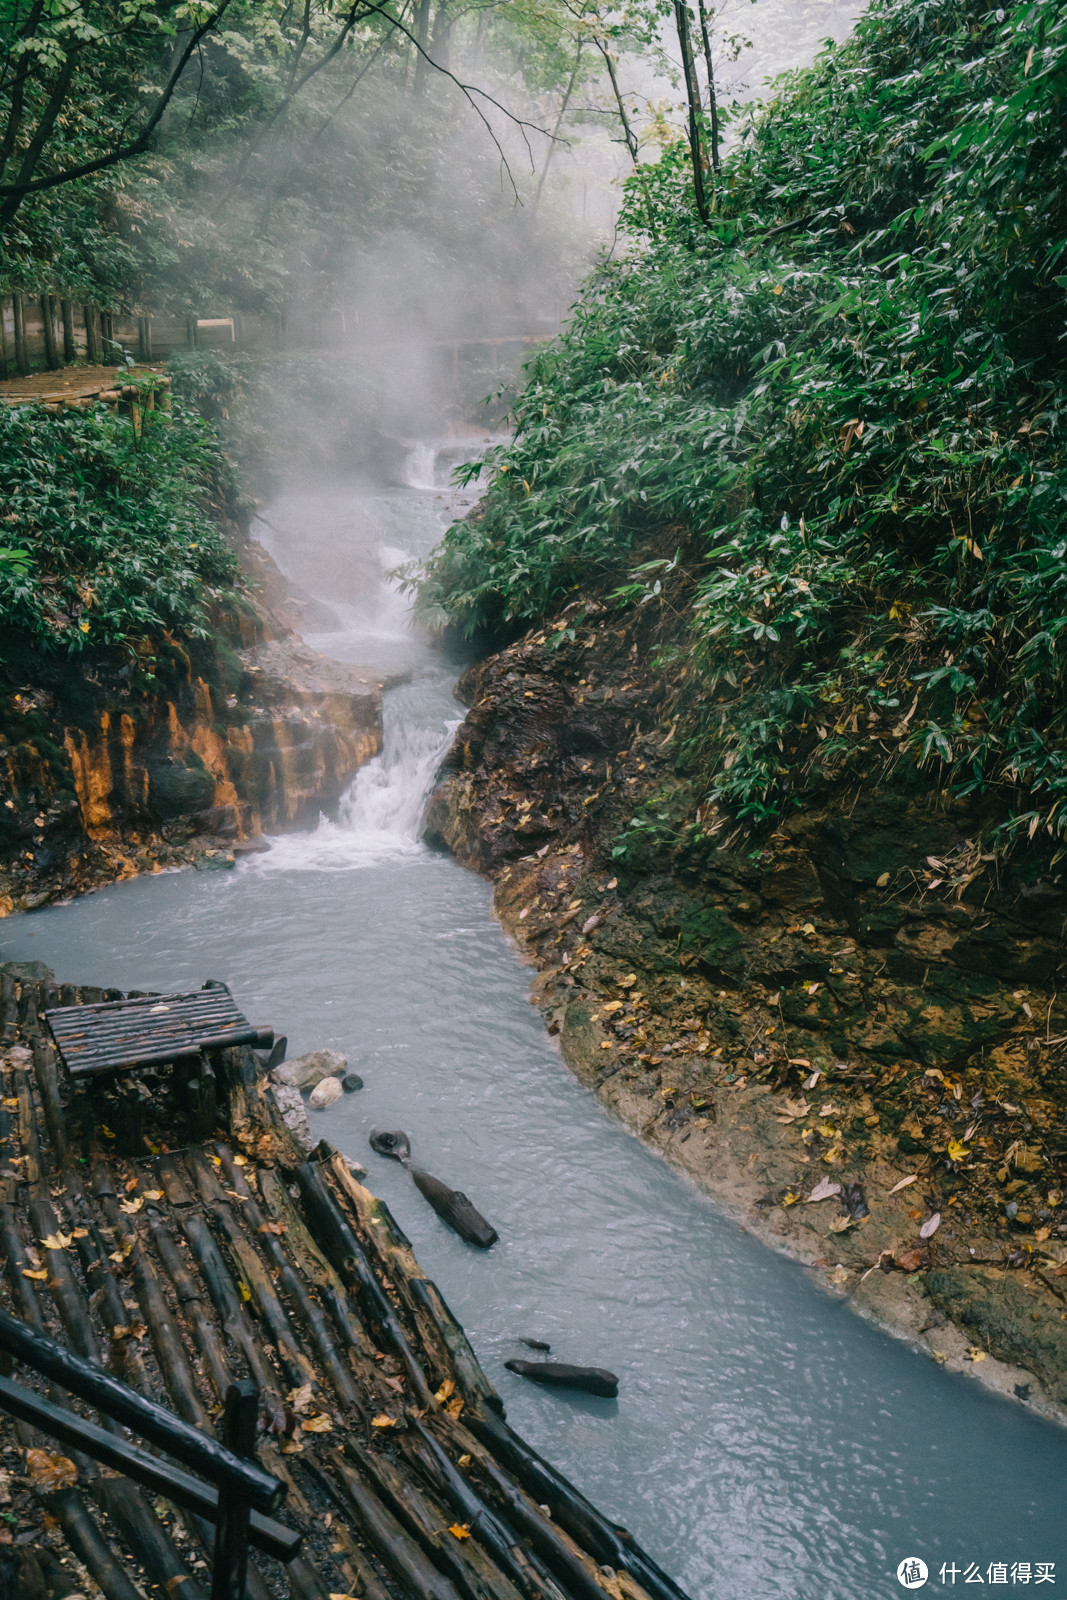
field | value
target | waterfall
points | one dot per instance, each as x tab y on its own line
419	466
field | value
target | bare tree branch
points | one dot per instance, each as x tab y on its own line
469	90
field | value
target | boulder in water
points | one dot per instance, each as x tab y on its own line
325	1093
351	1082
304	1072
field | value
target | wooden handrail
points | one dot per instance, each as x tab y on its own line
187	1444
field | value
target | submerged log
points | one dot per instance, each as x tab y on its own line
560	1375
451	1205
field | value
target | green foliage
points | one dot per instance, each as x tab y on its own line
846	401
113	540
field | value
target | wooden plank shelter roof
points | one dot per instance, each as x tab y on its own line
119	1034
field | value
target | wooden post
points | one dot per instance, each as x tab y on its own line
231	1533
92	348
144	337
5	354
190	332
70	349
48	327
22	357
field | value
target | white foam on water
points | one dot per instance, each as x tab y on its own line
380	817
419	466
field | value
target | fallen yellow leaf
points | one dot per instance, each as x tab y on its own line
454	1407
460	1530
319	1424
300	1398
57	1241
445	1392
38	1277
131	1207
383	1421
153	1194
50	1472
240	1161
464	1461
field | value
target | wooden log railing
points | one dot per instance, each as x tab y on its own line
238	1491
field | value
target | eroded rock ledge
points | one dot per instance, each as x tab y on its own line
249	732
866	1003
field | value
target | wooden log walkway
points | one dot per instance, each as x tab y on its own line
183	1263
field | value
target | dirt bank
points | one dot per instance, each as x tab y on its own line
848	1031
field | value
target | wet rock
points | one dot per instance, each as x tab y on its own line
294	1114
33	970
214	861
325	1093
351	1082
304	1072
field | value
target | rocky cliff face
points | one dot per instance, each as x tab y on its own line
246	733
849	1031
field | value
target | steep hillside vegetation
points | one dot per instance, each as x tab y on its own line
840	411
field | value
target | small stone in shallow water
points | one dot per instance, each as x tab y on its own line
325	1093
351	1082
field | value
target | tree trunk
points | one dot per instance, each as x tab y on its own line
22	355
441	36
713	104
422	39
565	102
92	348
70	349
5	354
144	337
692	95
51	355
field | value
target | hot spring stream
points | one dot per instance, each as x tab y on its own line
766	1444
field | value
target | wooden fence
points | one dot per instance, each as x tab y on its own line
48	331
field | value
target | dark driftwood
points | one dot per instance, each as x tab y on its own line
312	1260
465	1561
224	1298
311	1314
343	1248
89	1545
145	1537
31	1144
200	1324
547	1543
376	1522
560	1375
506	1546
611	1545
166	1335
451	1205
44	1066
